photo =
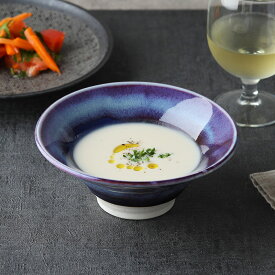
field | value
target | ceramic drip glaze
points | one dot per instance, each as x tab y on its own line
103	152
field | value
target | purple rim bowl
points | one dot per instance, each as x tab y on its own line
207	123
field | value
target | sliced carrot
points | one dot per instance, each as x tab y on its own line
5	41
11	50
17	24
40	49
21	16
5	20
17	42
22	44
2	33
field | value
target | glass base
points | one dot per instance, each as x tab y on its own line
257	113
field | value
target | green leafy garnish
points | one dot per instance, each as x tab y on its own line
14	57
19	74
22	34
55	56
143	155
166	155
39	36
6	29
139	156
27	55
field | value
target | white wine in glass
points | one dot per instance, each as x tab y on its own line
241	38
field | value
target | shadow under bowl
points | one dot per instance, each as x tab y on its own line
64	121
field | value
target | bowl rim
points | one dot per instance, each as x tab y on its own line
131	184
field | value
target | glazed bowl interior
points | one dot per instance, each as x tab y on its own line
71	116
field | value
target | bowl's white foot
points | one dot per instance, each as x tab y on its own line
135	213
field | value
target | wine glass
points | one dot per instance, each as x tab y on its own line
241	38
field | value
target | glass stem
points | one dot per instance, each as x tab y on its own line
250	94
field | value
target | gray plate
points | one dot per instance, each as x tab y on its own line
86	46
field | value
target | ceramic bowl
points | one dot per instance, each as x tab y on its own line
208	124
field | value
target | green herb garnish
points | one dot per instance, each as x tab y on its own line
14	57
19	74
22	34
55	56
144	155
166	155
28	55
140	156
6	29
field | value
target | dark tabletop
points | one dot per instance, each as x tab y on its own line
51	224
